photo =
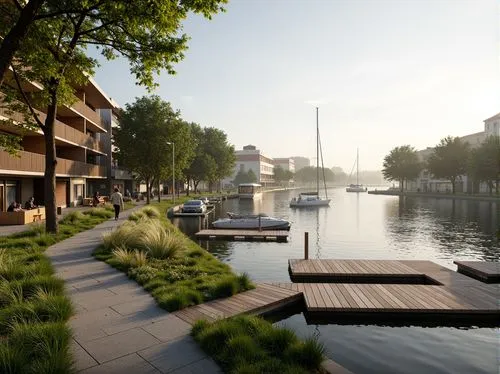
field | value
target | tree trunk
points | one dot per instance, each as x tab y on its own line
188	186
148	190
195	185
401	184
12	40
453	186
50	166
159	195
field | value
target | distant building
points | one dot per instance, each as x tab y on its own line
252	158
426	183
286	163
301	162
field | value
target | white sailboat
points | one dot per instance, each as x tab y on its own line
356	187
312	199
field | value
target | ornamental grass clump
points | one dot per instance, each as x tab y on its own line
249	344
151	212
72	218
99	212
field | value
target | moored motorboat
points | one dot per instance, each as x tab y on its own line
251	222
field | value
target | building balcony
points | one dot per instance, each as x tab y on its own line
29	163
62	131
90	115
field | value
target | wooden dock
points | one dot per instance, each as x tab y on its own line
488	272
244	235
355	271
265	298
343	290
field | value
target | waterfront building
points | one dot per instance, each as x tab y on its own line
251	158
83	146
301	162
427	183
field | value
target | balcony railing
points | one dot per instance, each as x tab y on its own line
35	163
62	130
87	112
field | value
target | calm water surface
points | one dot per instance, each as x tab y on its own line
376	227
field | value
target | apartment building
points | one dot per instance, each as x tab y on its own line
301	162
83	147
252	158
286	163
427	183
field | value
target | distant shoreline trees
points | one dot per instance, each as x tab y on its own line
450	159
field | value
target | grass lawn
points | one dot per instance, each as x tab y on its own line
176	271
34	337
249	344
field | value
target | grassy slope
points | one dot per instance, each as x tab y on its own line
34	337
189	277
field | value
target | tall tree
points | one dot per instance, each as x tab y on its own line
245	177
308	175
280	174
218	147
484	163
53	54
449	160
146	128
401	164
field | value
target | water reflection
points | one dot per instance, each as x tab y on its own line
373	227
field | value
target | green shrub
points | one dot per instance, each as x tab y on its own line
99	212
153	284
10	293
13	360
16	313
310	353
143	274
45	240
72	218
215	336
46	345
277	340
244	282
31	286
151	212
181	298
37	229
225	287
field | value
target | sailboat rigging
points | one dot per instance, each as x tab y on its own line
312	199
356	187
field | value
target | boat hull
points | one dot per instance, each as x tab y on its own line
251	224
309	203
356	189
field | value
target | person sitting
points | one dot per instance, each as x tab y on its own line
12	207
95	201
30	204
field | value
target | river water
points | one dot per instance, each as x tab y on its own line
376	227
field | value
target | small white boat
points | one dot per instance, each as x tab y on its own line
356	187
306	199
251	222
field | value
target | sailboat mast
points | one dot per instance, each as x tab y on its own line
317	150
357	166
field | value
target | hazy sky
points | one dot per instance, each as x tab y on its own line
384	73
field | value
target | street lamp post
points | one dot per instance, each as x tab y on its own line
173	169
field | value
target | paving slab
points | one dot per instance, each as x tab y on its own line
133	364
116	318
174	354
113	346
205	366
169	328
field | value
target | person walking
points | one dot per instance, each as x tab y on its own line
117	201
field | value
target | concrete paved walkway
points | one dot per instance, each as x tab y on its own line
118	327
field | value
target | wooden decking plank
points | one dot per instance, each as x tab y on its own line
328	266
428	303
313	300
373	304
361	304
443	297
377	295
278	290
320	302
334	267
396	303
365	266
339	295
426	294
403	297
357	268
333	300
347	295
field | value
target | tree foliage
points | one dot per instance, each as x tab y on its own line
401	164
449	159
214	156
308	175
52	53
147	126
484	163
245	177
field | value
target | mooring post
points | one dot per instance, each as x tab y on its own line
199	223
306	246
